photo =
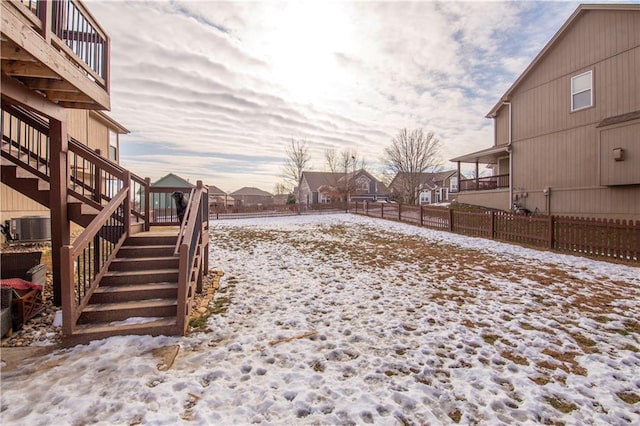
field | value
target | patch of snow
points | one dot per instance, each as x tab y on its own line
474	331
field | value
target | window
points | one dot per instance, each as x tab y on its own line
453	184
113	146
582	91
362	184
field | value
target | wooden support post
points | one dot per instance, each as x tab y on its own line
450	220
147	203
550	233
399	212
382	210
127	201
492	226
97	197
45	14
366	208
60	227
421	215
68	295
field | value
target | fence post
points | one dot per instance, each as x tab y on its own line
450	219
366	208
492	228
421	215
399	212
550	233
381	210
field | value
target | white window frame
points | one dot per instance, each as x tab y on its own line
590	89
362	184
453	184
114	142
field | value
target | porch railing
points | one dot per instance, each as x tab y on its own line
485	183
72	30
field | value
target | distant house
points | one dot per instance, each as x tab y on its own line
327	187
432	187
250	196
174	183
218	198
566	131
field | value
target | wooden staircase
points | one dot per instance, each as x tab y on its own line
137	295
115	277
37	189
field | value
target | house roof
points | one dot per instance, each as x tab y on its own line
171	180
250	191
317	179
214	191
543	53
488	155
110	122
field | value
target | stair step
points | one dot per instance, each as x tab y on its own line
151	240
125	293
84	333
144	263
146	251
139	277
120	311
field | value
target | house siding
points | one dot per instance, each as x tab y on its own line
556	148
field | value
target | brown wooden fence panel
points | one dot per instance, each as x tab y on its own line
410	214
472	223
607	238
435	217
598	237
521	229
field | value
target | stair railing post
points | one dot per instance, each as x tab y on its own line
97	197
58	184
147	203
126	178
67	296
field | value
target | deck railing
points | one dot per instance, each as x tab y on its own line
485	183
72	29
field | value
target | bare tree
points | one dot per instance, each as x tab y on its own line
280	188
343	162
297	160
411	154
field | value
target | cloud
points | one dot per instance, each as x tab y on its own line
214	90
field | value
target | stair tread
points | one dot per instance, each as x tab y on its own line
135	287
137	304
147	246
124	326
142	259
145	272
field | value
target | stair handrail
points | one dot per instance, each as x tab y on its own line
183	229
90	255
189	250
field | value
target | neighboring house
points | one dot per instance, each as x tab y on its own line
161	201
327	187
219	199
92	128
432	187
250	196
566	132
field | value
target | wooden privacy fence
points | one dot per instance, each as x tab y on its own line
607	238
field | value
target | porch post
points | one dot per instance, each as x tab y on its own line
477	176
60	227
147	210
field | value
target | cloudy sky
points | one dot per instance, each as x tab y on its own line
215	90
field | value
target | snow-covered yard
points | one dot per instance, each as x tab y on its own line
340	319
